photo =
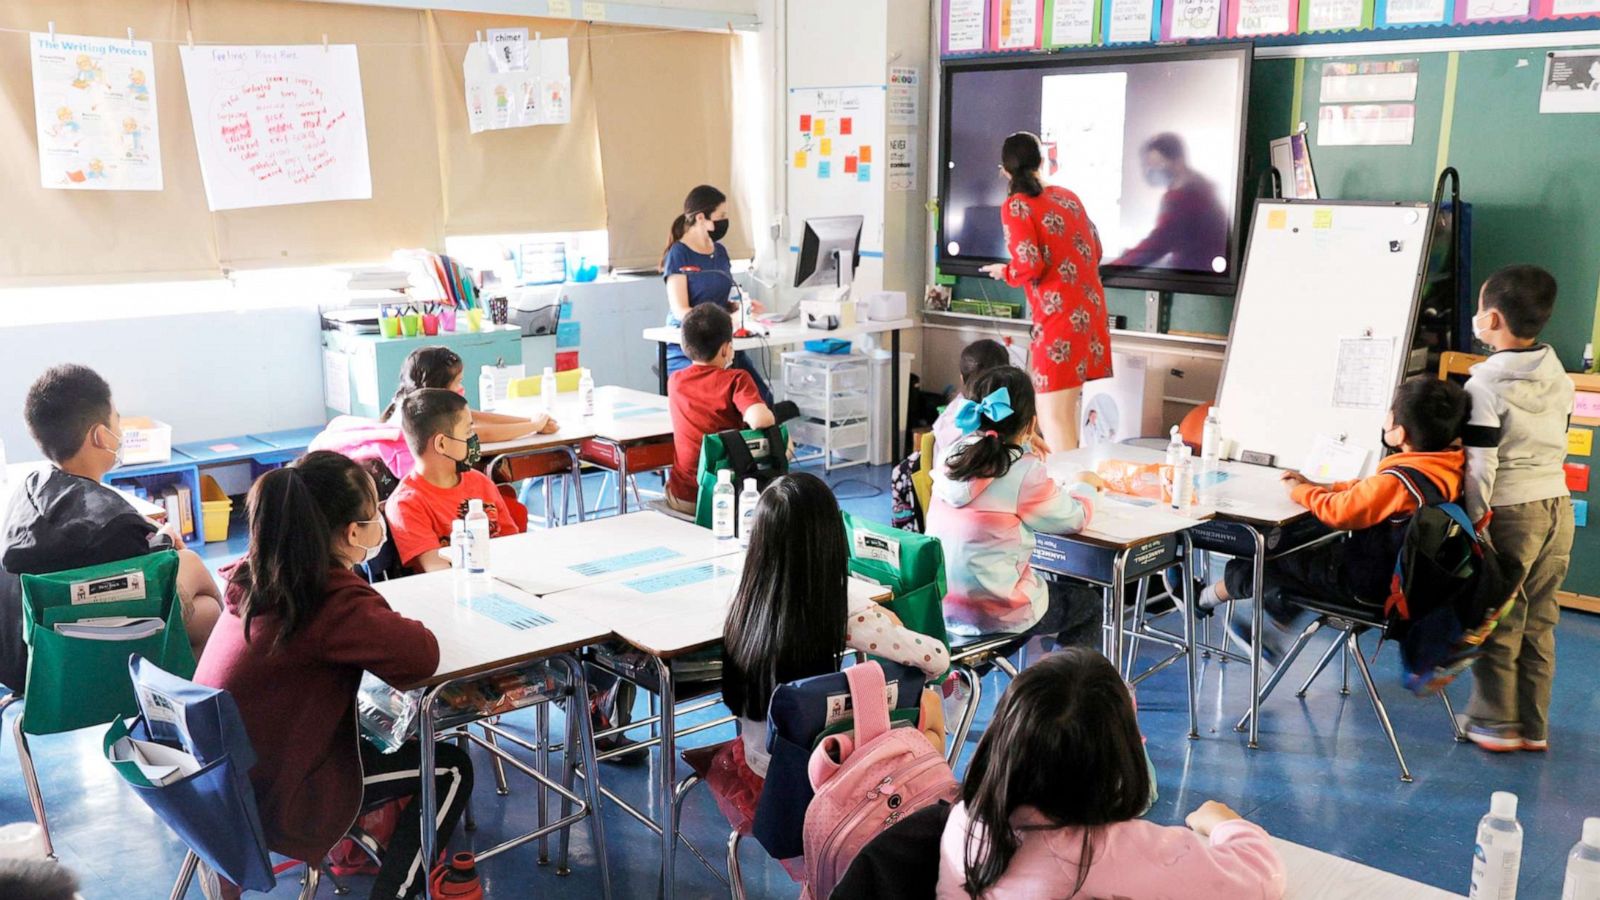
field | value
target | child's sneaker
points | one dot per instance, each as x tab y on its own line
1536	746
1495	740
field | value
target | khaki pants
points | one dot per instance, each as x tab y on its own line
1511	681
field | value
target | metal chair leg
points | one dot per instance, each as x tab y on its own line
1336	647
469	820
654	705
964	727
1344	686
577	716
1455	723
185	875
308	890
340	887
1004	665
1282	668
501	788
541	764
735	873
1354	646
30	778
675	814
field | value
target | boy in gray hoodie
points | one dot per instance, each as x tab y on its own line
1516	445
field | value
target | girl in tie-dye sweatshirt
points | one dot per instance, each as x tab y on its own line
990	495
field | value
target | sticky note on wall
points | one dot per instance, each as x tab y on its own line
1577	477
1580	441
1586	405
805	124
1580	513
566	360
827	147
819	127
569	334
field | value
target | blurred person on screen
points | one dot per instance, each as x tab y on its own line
1191	230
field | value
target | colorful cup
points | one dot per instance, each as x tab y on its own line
390	326
411	324
447	318
475	319
430	324
499	310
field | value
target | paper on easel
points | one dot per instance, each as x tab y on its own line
1332	460
1364	376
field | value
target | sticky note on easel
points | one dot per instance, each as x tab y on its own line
866	153
824	169
864	173
1580	513
1580	441
805	124
847	125
1577	477
827	147
1322	218
1586	405
1277	219
849	165
819	127
799	159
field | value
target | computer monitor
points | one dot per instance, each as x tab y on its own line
830	252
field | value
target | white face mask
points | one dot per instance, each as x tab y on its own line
1480	331
116	453
372	552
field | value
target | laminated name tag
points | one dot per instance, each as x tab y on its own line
110	589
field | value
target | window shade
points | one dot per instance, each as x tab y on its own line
666	125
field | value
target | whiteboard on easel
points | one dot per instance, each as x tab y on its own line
1322	325
837	159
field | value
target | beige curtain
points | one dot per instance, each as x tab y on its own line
666	125
545	178
55	236
405	209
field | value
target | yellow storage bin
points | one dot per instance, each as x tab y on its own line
215	509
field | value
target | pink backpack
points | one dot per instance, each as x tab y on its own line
866	782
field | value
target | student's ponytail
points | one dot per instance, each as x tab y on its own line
995	443
426	367
294	513
1022	158
702	201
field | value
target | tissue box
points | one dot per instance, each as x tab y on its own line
145	440
886	306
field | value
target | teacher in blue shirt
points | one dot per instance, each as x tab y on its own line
696	269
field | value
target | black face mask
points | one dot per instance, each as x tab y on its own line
1383	438
719	229
474	454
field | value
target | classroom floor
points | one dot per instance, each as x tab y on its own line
1324	777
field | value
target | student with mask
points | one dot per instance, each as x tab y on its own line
1191	230
422	509
696	268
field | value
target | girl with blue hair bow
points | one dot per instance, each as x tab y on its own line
991	494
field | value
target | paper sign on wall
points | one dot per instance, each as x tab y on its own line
1187	19
94	100
1259	17
905	97
1129	21
1490	10
336	381
902	162
1571	82
276	125
964	22
1414	12
1016	24
538	93
1369	81
1580	441
1577	477
1070	22
1335	15
1586	405
1564	8
1366	124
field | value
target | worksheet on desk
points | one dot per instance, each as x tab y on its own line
1121	518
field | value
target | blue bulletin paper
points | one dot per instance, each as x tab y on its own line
677	578
569	334
507	612
624	561
1580	513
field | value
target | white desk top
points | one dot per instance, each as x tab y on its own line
609	549
1250	493
472	641
1120	521
621	414
16	472
785	334
1315	875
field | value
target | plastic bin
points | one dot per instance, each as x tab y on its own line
215	510
145	440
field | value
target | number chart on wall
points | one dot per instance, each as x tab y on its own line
278	125
837	159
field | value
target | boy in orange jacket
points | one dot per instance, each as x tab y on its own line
1423	433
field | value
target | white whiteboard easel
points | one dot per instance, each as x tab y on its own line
1322	325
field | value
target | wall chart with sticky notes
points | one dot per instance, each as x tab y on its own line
834	132
1580	441
1342	280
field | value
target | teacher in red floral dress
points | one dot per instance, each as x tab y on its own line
1055	258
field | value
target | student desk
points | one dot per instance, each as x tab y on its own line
788	334
564	443
667	614
1315	875
475	645
1128	539
602	550
631	430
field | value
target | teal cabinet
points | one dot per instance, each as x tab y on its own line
361	371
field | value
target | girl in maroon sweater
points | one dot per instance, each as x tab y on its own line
299	629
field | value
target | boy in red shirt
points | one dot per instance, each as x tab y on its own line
421	511
706	398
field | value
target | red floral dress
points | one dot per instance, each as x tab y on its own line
1055	257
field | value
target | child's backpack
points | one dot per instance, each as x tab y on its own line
866	782
1448	592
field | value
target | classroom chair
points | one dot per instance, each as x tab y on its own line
922	479
59	665
797	720
908	564
1350	621
762	455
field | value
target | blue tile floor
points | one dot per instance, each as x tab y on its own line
1324	776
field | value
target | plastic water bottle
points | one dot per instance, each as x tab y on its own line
1497	858
1183	481
486	395
1583	865
460	550
547	388
748	498
478	547
1211	437
722	506
1175	447
586	392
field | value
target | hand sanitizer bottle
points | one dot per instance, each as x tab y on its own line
547	389
1583	865
486	397
1211	437
586	392
1183	481
478	548
722	512
1175	447
748	498
460	551
1497	858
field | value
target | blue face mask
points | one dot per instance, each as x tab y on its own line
1158	178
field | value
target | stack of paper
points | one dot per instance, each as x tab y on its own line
111	628
160	764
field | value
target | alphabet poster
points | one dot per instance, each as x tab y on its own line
517	89
277	125
95	103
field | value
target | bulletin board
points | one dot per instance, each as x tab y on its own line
837	159
1323	322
